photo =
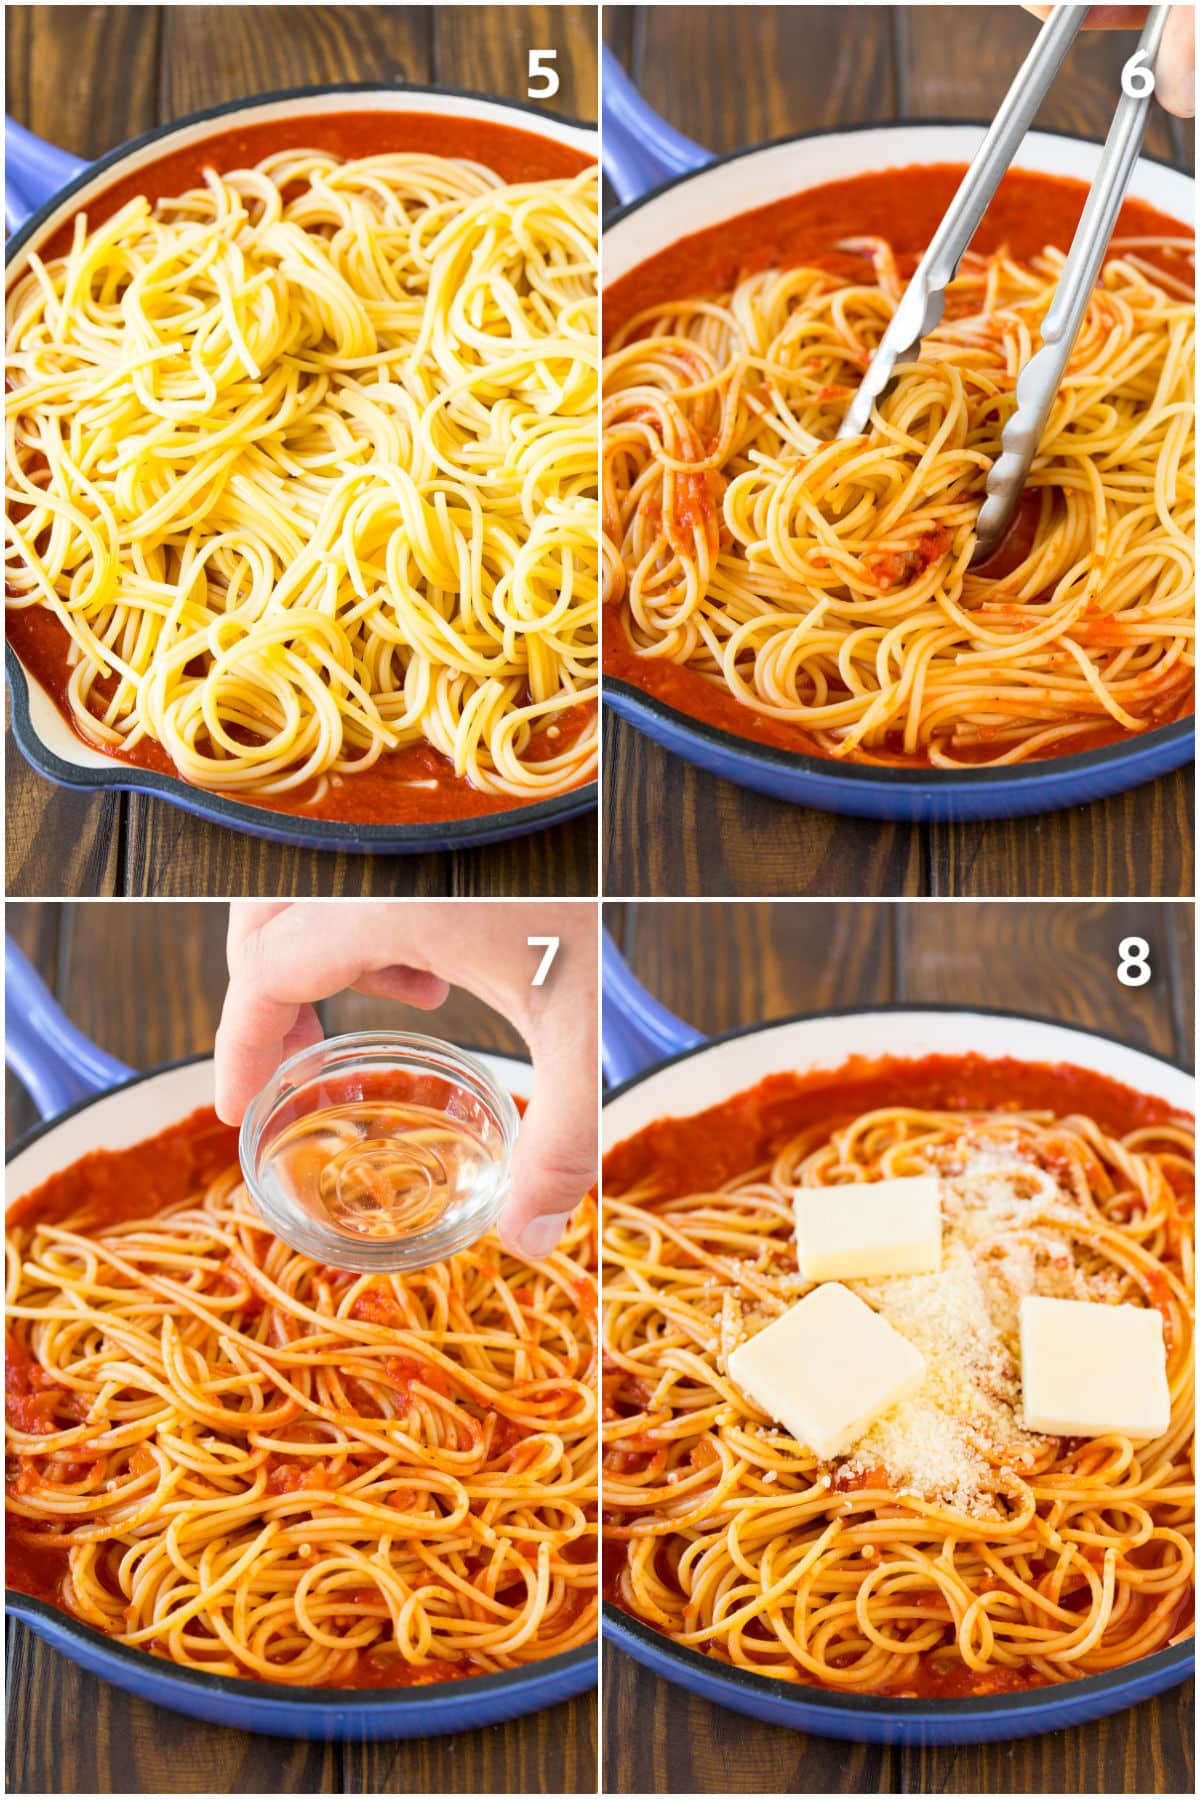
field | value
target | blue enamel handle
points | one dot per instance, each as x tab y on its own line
640	150
34	171
50	1057
637	1029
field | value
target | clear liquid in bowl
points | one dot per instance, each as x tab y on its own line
378	1168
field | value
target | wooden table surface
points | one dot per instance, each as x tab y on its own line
89	77
69	1732
762	962
733	76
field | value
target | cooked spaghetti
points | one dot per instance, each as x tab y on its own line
304	461
951	1551
227	1455
825	586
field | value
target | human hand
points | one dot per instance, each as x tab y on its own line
1175	70
283	956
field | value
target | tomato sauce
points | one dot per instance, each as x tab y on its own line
712	1147
415	785
109	1187
1029	212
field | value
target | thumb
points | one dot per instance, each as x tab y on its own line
554	1162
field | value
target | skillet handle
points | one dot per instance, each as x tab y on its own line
50	1057
640	150
33	172
637	1030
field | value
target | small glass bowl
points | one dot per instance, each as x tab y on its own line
406	1162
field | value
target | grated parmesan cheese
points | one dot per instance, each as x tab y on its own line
959	1440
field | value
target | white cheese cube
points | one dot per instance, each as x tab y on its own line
868	1228
826	1368
1088	1368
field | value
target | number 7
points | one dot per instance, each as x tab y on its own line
549	948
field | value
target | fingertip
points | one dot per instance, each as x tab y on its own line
231	1091
229	1106
536	1238
1178	93
427	991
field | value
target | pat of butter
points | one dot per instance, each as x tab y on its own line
891	1227
1088	1368
826	1368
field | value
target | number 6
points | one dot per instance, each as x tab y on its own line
1137	77
541	69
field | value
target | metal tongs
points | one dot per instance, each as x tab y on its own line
924	300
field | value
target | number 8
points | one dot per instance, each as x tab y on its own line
1133	970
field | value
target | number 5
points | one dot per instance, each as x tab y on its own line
542	70
549	947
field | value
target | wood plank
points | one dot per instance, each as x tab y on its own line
71	1733
259	49
688	1746
1143	1750
107	964
552	1752
145	981
727	82
1055	962
51	73
719	966
616	25
1183	961
1183	144
1140	842
487	50
170	853
670	828
561	862
57	840
943	74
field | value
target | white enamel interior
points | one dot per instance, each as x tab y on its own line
131	1115
45	718
758	177
716	1073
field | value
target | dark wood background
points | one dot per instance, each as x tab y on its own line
89	77
762	962
69	1732
733	76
